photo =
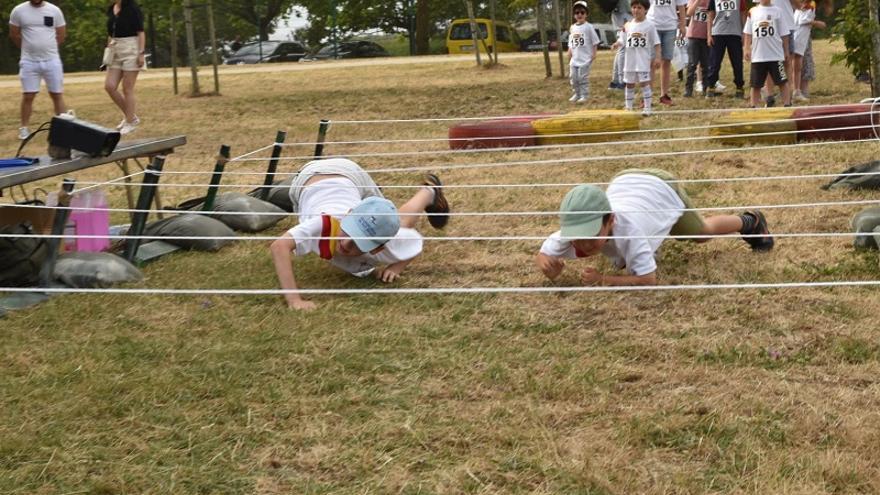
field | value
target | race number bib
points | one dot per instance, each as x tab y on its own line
701	16
764	30
637	40
576	40
680	42
725	5
661	3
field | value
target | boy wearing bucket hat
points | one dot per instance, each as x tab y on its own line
344	219
639	209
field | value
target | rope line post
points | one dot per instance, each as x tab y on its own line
323	127
58	225
280	136
222	159
139	220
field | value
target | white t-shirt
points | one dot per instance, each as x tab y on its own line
767	26
641	38
787	12
38	25
803	26
664	13
634	199
581	40
335	197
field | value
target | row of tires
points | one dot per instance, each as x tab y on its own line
769	126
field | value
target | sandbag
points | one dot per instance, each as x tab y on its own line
279	194
266	214
21	257
191	226
867	221
857	181
734	125
94	270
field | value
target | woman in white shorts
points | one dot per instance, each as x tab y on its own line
126	40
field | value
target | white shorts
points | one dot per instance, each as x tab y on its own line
31	72
125	54
636	77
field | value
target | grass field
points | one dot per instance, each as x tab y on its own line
709	391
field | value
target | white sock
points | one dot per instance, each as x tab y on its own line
647	96
629	93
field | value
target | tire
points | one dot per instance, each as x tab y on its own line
501	133
21	257
583	123
838	116
767	120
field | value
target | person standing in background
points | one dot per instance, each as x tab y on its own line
126	41
619	17
38	28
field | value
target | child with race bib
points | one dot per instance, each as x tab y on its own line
766	45
641	54
582	44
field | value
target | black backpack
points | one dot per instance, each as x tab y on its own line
21	257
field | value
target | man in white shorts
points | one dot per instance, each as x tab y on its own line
37	28
345	220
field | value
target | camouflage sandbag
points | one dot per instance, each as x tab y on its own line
191	226
278	194
867	221
94	270
21	257
264	215
857	181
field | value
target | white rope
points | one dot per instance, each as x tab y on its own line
796	235
250	153
566	145
503	117
443	290
111	182
578	134
516	186
464	214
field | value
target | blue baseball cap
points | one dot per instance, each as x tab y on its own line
373	217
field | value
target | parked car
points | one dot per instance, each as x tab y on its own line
607	35
458	38
348	49
272	51
533	42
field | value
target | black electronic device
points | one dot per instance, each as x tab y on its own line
73	133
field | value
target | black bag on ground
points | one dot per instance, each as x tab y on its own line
278	195
866	221
265	214
191	226
21	257
94	270
858	181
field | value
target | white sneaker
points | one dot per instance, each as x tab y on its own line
129	127
121	124
698	87
23	133
573	98
581	100
719	87
646	112
798	96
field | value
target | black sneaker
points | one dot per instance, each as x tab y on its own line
439	205
760	244
688	92
771	101
740	93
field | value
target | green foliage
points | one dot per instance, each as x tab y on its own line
854	27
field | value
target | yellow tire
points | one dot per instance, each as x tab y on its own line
770	120
584	123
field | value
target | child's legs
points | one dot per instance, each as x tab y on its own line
797	67
716	55
735	53
647	94
617	69
413	208
758	75
573	79
584	80
667	50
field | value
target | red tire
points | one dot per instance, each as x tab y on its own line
502	133
856	117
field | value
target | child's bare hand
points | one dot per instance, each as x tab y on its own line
655	64
550	266
748	55
591	276
389	274
302	305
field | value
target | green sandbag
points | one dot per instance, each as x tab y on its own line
867	221
94	270
195	227
845	180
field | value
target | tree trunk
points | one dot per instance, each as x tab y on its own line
875	50
475	31
423	27
191	47
548	67
494	38
556	16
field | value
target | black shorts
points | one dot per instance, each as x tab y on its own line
761	69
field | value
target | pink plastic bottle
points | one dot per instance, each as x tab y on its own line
92	221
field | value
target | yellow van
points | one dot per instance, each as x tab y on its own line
458	39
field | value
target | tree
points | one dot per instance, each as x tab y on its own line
262	14
855	27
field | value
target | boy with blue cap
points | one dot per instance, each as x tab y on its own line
344	219
639	209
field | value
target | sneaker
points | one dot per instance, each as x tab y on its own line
129	127
439	205
798	96
573	98
688	92
23	133
740	94
646	112
711	93
698	86
760	244
666	100
612	86
581	100
771	101
719	88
